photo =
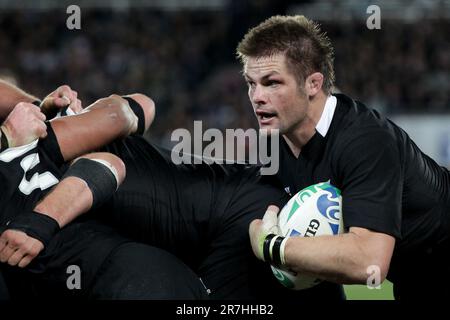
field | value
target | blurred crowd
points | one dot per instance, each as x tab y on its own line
185	60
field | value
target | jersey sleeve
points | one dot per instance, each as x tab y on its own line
369	170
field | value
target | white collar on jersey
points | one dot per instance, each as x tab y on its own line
327	115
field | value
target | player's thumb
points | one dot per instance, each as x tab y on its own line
257	236
270	219
61	101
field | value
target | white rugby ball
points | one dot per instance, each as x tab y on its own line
313	211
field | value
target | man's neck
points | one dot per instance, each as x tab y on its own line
300	136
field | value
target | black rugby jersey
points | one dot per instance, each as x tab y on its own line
388	185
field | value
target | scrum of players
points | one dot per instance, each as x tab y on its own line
81	186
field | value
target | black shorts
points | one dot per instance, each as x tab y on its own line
201	213
108	266
84	245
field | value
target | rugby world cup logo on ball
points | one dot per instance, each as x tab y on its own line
313	211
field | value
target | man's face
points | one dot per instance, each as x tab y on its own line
277	100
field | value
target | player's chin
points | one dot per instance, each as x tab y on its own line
269	129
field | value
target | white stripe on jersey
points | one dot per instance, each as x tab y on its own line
10	154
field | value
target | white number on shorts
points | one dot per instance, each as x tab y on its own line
38	180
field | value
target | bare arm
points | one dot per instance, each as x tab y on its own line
10	96
342	259
99	124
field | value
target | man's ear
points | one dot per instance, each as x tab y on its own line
313	83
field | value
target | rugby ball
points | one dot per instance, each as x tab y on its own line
313	211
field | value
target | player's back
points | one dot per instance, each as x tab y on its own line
426	195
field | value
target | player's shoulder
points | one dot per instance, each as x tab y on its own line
359	129
357	122
355	114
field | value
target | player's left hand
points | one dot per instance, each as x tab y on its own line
259	229
18	249
62	97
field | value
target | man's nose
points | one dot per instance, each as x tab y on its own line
259	95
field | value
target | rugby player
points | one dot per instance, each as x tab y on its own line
200	213
396	199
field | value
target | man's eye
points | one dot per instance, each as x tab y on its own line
272	83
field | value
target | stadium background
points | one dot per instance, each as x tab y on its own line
182	54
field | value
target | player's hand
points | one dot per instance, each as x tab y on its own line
62	97
18	249
259	229
24	124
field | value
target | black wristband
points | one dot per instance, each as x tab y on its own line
99	178
137	109
266	247
36	225
276	256
4	144
37	103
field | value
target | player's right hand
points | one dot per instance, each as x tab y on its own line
260	229
18	249
63	96
24	125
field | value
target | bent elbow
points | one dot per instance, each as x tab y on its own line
147	105
373	273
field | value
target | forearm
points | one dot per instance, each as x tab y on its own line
340	259
10	96
88	183
69	199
